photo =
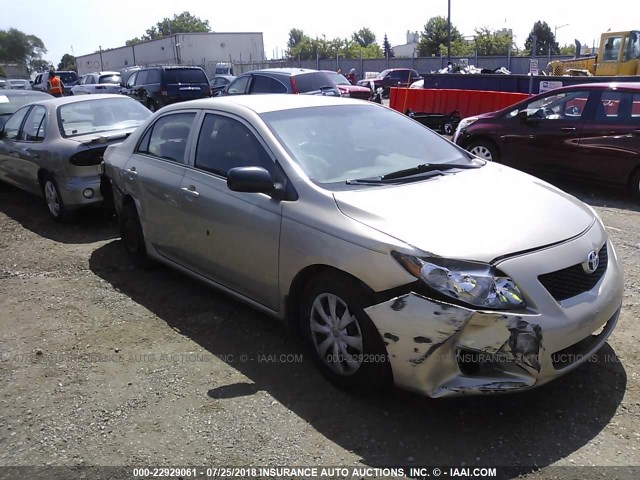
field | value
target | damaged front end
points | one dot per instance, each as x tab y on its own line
458	350
467	328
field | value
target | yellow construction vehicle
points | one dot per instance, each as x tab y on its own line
619	54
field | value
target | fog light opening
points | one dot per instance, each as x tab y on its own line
468	361
87	193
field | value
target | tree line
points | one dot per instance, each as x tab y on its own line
27	50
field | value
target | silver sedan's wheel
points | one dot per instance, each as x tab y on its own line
53	199
345	343
336	334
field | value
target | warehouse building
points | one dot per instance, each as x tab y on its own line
202	49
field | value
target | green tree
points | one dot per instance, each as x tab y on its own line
434	37
40	65
296	36
545	40
306	48
386	48
21	48
68	62
568	50
182	23
491	43
364	37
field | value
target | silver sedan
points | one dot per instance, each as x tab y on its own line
399	256
54	147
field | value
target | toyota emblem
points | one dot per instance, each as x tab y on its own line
591	265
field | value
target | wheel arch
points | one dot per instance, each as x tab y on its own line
293	298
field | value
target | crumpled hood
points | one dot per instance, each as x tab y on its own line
478	214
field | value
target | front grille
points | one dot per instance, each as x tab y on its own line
572	281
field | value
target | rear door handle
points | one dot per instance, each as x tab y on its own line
636	132
568	129
191	191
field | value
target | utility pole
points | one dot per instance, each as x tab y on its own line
448	30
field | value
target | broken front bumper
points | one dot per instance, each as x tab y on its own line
439	349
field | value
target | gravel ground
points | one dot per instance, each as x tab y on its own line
105	364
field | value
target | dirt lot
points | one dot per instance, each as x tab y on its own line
104	364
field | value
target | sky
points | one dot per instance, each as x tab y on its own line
81	28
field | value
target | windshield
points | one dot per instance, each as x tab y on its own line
102	115
338	143
67	77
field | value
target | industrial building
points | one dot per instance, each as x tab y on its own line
202	49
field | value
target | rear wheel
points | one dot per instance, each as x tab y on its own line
55	205
345	343
484	149
133	236
635	184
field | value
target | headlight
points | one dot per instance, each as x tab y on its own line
465	122
479	285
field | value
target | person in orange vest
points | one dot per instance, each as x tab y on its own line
55	85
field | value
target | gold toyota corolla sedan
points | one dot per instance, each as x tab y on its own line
401	257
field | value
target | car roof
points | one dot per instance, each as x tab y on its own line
16	93
285	71
57	101
265	103
103	73
607	85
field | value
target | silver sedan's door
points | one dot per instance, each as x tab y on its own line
30	150
154	174
233	237
9	147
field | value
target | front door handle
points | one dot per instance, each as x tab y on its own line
191	191
131	173
568	129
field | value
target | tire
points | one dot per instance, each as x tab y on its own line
133	237
634	184
485	149
363	362
55	206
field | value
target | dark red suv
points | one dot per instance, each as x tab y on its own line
393	77
590	132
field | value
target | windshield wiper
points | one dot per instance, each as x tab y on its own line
427	167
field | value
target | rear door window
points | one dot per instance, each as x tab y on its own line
239	85
143	75
154	76
264	84
168	136
33	129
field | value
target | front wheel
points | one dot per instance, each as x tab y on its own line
485	149
345	343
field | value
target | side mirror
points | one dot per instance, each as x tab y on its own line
522	116
250	180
